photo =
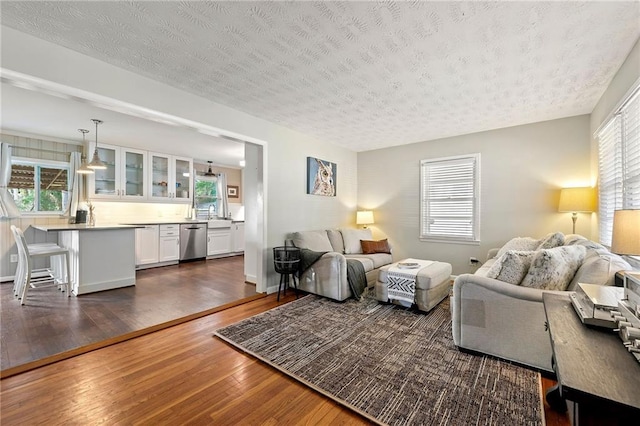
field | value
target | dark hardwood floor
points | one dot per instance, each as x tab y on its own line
179	375
51	326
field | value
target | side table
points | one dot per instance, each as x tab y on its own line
286	261
596	374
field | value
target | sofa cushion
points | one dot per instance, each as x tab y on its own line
371	247
512	266
352	237
377	260
312	240
554	239
335	237
598	269
520	244
553	269
367	261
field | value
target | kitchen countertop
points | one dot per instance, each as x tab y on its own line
166	222
82	227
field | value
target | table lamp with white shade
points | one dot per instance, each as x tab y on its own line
626	232
364	217
576	200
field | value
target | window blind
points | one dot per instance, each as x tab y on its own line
449	198
619	164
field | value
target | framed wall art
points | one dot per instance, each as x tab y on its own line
232	191
321	177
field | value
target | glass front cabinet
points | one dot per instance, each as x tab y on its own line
124	177
170	178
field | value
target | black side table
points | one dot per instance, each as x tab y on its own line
286	261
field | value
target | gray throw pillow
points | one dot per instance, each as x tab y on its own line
553	269
554	239
520	244
512	266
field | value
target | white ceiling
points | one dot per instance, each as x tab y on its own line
363	75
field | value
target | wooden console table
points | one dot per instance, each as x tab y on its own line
596	374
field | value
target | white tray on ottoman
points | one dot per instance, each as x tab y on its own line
432	284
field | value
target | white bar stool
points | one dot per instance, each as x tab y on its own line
28	277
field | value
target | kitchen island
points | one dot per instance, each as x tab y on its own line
102	257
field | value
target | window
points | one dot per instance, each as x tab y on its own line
39	186
619	164
450	199
206	196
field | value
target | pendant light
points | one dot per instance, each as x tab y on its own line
210	172
96	163
84	168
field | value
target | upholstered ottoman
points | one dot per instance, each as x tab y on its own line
432	284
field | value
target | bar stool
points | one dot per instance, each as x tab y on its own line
28	277
286	261
19	277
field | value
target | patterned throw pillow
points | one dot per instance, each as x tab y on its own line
520	244
512	266
553	269
554	239
371	247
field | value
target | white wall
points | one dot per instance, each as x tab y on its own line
288	208
522	170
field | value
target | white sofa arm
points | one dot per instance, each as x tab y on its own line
327	277
500	319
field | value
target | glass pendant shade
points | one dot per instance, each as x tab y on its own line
96	163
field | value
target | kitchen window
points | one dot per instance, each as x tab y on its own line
39	186
206	196
450	199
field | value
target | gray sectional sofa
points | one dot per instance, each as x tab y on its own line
508	320
328	276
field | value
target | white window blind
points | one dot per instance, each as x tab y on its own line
450	199
619	164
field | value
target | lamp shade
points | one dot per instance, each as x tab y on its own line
364	217
626	232
577	200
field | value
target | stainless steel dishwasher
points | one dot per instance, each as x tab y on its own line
193	241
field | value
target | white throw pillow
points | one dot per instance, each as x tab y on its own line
520	244
352	237
553	269
312	240
554	239
512	266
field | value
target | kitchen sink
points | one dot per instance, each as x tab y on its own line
219	223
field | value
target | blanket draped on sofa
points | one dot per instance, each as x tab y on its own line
356	276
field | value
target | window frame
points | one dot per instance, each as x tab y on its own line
424	235
614	146
38	164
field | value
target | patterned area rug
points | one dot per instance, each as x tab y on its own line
390	364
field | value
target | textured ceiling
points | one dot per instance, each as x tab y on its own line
363	75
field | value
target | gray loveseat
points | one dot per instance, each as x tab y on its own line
508	321
328	276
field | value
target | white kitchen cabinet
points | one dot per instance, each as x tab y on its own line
169	247
125	177
170	178
218	241
147	240
237	237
